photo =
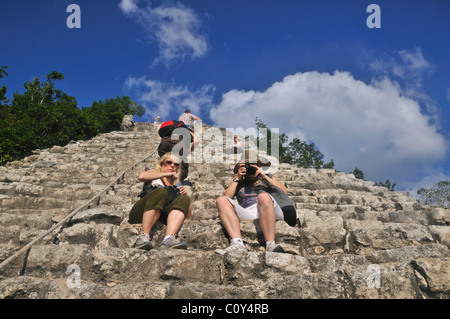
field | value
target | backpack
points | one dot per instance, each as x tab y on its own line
286	204
284	201
168	127
172	191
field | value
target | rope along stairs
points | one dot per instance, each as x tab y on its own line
66	219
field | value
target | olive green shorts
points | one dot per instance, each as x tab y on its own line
158	199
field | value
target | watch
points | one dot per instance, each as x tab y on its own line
235	180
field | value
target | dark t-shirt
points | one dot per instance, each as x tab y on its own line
247	195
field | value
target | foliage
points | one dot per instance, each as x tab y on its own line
296	152
108	114
330	164
3	99
438	194
306	155
267	140
44	116
358	173
303	154
387	184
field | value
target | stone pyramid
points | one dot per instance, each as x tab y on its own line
353	239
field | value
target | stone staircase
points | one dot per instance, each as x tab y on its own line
353	239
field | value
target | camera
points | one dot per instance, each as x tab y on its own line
250	170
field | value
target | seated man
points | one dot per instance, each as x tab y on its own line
253	202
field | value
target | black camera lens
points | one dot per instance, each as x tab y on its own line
250	170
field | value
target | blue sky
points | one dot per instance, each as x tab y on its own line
373	98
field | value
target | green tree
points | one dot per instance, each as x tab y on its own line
295	152
41	117
267	140
438	194
107	116
330	164
387	184
44	116
358	173
3	71
3	99
304	155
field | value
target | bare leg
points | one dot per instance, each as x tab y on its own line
174	221
149	219
228	217
266	216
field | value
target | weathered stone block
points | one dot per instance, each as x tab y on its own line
436	273
98	215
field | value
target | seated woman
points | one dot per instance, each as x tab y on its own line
165	201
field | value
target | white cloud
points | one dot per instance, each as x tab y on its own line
414	60
176	29
374	127
168	100
409	68
408	65
128	6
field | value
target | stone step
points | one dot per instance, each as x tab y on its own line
318	233
347	229
38	203
31	218
254	275
348	208
27	287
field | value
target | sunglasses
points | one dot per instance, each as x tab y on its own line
168	162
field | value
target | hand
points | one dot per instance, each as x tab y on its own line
258	169
241	171
183	190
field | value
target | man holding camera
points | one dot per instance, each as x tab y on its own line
250	185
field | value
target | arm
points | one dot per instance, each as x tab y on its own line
148	176
271	180
231	190
194	142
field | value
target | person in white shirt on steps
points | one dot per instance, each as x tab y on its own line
250	185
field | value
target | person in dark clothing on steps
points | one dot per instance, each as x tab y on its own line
167	144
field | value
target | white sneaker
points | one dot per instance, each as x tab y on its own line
232	247
144	242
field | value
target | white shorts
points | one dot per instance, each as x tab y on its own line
252	212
